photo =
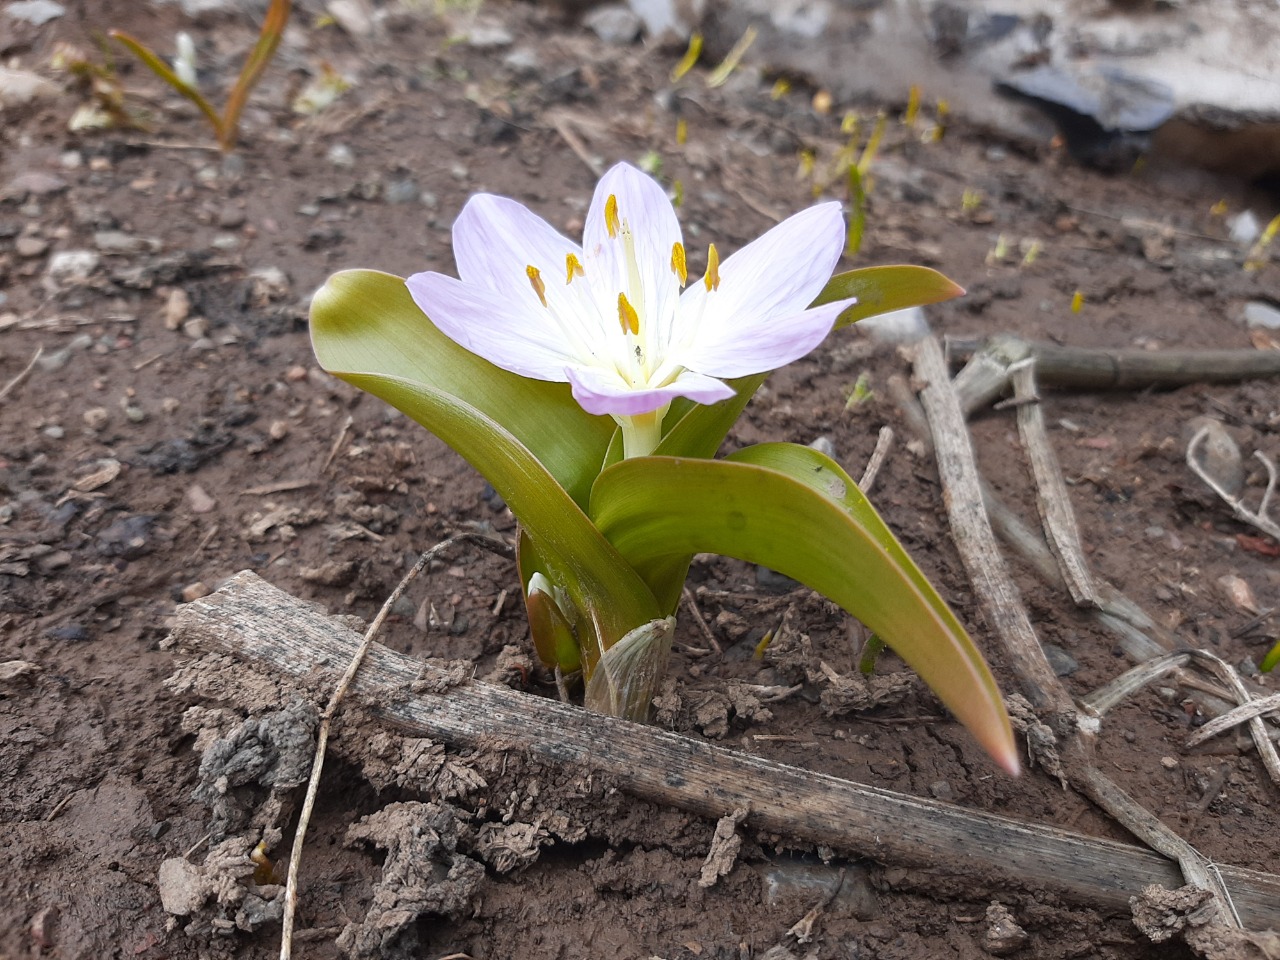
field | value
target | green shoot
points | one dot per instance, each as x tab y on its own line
720	74
226	127
870	654
1258	252
689	59
857	211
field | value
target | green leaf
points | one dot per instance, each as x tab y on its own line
364	331
162	70
885	289
365	322
819	530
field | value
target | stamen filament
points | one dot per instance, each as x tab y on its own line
679	265
536	281
712	278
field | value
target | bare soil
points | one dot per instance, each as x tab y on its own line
155	451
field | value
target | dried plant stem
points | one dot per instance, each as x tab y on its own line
975	540
1051	490
971	529
1077	368
1259	518
883	443
326	720
22	376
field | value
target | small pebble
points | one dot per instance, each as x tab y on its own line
1259	315
1064	665
340	155
95	418
199	500
54	432
296	373
177	307
196	328
30	247
279	429
194	591
401	191
1169	763
135	413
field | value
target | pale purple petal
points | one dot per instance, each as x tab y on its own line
759	347
774	276
514	336
496	240
600	391
643	206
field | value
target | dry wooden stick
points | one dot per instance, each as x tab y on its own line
326	721
22	375
1056	514
1257	728
975	540
1077	368
283	635
884	441
1141	637
970	528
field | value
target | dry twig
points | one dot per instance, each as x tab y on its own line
26	372
1260	518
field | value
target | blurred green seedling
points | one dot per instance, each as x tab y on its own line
226	125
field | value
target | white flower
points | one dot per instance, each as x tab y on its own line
610	318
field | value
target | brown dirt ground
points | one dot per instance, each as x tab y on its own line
97	768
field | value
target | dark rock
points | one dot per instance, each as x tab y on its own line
129	537
1064	665
70	633
1106	117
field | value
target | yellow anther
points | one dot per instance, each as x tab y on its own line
573	267
535	281
678	263
712	278
627	316
611	221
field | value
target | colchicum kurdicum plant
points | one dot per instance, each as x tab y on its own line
592	385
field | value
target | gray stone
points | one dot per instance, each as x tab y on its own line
37	12
19	87
401	191
614	23
1063	663
340	155
897	326
71	266
1261	315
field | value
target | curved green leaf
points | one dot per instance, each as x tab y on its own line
601	584
885	289
654	508
365	322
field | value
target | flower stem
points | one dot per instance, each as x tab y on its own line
641	433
